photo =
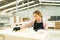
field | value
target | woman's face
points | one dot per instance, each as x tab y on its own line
37	17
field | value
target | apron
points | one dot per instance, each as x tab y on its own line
38	26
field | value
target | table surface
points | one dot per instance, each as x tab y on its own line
27	33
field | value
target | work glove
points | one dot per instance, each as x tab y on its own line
16	28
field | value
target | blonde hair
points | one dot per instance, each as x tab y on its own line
38	13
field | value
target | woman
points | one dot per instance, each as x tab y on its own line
37	22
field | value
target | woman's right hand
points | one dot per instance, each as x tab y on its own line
16	28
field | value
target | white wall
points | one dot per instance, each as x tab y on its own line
45	10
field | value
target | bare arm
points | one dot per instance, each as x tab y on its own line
45	25
27	24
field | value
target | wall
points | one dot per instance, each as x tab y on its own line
47	11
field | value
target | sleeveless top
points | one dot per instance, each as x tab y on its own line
38	26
